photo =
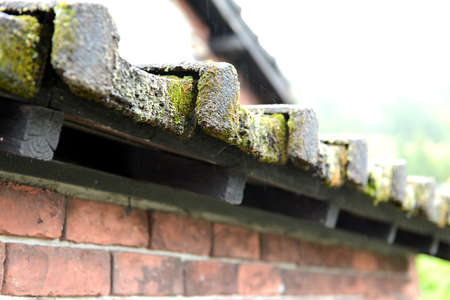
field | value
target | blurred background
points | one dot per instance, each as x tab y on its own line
378	68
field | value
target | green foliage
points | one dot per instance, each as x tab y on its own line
416	131
434	276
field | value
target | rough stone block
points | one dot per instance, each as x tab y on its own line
387	180
331	164
22	55
85	54
419	193
164	101
438	210
303	145
303	127
26	7
262	136
84	46
356	170
444	193
217	105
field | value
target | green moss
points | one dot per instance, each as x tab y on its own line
410	203
278	128
181	93
21	67
263	136
379	183
63	36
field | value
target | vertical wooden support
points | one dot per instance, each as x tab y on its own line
332	216
392	234
28	130
434	247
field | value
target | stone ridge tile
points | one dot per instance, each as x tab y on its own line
20	45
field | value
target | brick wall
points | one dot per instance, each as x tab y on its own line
52	245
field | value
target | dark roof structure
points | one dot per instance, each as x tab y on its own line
234	41
177	132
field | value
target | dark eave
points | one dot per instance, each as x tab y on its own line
234	41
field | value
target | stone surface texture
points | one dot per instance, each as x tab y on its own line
302	132
217	103
387	180
419	193
356	168
22	58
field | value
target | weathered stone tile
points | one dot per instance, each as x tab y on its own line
419	193
262	136
331	163
356	170
387	180
444	193
22	55
164	101
84	46
217	105
85	54
438	209
26	7
303	139
303	145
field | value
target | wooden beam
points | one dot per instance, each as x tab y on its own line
221	183
28	130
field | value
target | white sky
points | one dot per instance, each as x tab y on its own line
353	52
358	51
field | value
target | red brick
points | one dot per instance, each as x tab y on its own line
331	256
2	261
318	283
412	287
303	282
231	241
259	279
210	278
180	234
150	275
275	247
30	211
370	261
106	224
52	271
